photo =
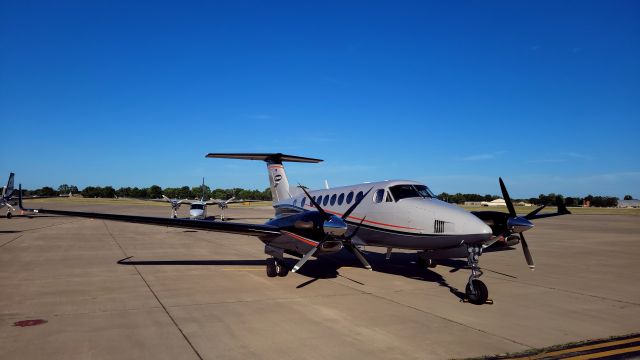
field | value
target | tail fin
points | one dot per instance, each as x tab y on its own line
277	176
8	191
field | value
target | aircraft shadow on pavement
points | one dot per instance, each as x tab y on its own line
322	268
127	261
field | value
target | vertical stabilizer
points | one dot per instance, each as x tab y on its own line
278	180
8	190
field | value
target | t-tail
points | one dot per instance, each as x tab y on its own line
8	190
277	176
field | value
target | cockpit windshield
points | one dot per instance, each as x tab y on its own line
197	207
410	191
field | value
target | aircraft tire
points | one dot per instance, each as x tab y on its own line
9	214
281	269
480	295
430	263
272	271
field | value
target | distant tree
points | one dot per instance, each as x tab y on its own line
47	191
628	197
184	193
107	192
443	197
64	189
154	192
569	201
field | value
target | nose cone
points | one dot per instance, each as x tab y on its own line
196	213
334	226
464	222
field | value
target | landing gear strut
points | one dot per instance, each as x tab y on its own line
475	290
276	267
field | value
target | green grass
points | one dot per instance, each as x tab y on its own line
522	210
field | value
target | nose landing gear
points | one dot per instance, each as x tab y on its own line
475	290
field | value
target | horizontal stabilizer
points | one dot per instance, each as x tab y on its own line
273	157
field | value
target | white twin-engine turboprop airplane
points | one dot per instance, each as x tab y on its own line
390	214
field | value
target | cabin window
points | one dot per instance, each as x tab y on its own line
333	199
349	197
340	199
325	201
197	207
389	198
379	194
304	200
359	196
319	201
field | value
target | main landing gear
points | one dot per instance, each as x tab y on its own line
426	262
475	290
9	214
276	267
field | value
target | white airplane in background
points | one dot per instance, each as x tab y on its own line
198	208
395	214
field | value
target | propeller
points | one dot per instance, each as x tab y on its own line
519	224
335	227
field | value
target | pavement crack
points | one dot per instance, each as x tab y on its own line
12	240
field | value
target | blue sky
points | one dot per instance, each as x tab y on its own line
454	94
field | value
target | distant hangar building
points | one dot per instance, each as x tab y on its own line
629	203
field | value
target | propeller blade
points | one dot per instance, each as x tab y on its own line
507	199
355	251
355	231
527	253
315	204
355	205
304	259
534	212
230	199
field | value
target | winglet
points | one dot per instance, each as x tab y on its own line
562	209
20	201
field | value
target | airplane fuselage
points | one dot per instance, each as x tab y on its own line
198	210
395	214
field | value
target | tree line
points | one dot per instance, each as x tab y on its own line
542	199
185	192
153	192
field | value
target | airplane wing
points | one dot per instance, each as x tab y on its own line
218	226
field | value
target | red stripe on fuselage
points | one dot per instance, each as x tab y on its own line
303	239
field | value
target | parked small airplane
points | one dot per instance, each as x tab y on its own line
7	193
396	214
198	208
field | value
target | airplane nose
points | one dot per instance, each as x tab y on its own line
195	213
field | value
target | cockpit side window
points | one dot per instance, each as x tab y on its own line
389	198
379	194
